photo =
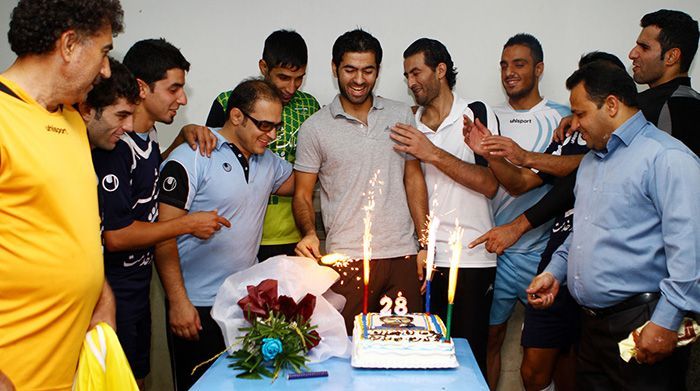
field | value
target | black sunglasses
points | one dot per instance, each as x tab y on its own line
264	126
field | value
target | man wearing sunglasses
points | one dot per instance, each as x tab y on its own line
236	180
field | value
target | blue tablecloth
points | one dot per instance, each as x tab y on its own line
341	376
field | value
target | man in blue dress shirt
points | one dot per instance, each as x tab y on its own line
634	253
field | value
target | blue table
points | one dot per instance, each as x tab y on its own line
341	376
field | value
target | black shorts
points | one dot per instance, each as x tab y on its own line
131	293
556	327
135	337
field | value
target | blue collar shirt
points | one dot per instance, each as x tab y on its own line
637	224
239	190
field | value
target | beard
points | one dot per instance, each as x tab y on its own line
356	100
523	92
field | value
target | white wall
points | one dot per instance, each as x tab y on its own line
223	39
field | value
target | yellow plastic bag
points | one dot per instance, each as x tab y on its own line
103	365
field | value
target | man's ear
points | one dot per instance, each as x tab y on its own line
612	105
86	111
236	116
441	70
143	88
672	57
67	44
539	69
264	69
335	69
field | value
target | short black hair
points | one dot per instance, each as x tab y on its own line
678	30
121	84
434	53
249	91
531	42
601	79
36	25
150	60
356	41
600	56
285	48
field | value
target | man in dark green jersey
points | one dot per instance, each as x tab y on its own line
283	63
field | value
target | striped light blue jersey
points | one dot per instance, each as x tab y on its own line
532	130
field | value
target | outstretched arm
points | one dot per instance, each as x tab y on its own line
139	234
516	180
504	147
303	208
475	177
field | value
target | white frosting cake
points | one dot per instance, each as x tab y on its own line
401	341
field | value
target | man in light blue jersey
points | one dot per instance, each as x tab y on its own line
528	120
237	181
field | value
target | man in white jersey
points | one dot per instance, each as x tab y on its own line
529	120
455	177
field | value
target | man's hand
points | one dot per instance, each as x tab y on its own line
413	141
184	320
654	343
542	290
204	224
497	239
474	134
105	309
563	130
422	271
309	246
6	383
421	257
505	147
197	135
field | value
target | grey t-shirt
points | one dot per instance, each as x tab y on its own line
345	154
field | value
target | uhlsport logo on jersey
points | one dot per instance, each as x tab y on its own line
55	129
169	184
520	121
227	167
110	183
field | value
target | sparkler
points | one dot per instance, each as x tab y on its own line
456	246
367	237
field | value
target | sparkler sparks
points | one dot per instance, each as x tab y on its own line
456	246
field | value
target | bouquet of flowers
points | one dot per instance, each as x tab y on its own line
280	333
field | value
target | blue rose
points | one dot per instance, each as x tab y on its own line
271	347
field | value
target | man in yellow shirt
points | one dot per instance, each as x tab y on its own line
51	274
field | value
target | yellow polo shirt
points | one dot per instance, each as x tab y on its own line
51	270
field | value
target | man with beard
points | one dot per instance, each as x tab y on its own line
528	120
632	256
283	64
127	166
346	146
51	268
661	59
108	110
455	177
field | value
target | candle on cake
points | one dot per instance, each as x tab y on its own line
433	225
456	246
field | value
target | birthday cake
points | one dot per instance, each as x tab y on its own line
401	341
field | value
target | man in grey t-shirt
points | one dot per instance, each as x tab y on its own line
344	145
